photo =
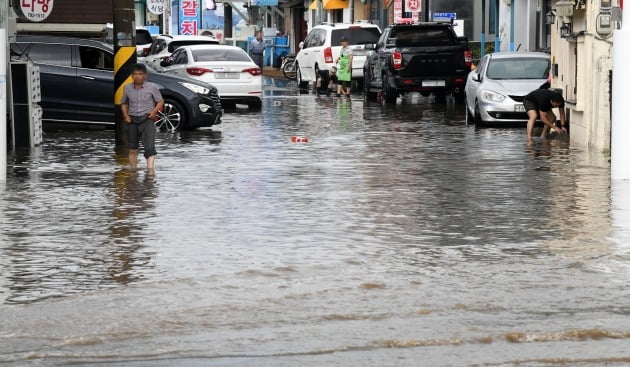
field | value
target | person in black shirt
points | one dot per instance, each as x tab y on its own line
539	104
326	80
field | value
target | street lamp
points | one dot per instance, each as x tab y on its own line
550	17
565	30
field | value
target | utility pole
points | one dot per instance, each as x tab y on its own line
124	58
425	11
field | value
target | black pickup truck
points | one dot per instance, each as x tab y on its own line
423	57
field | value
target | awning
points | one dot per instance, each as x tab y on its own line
335	4
314	5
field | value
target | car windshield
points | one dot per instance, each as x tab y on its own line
518	68
356	35
174	45
220	54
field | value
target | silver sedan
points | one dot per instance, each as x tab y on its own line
495	89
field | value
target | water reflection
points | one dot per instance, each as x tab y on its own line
394	228
133	200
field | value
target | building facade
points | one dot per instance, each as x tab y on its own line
581	53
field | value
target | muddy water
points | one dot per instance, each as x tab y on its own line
397	236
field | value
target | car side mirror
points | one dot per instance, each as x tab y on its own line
301	45
476	77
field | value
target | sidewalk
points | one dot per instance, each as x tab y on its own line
272	72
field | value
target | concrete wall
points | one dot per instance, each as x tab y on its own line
504	25
584	63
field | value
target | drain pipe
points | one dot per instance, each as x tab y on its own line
3	91
620	128
512	25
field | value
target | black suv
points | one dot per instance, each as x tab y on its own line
77	84
423	57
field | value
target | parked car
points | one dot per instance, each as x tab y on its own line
320	49
143	39
164	45
229	68
425	57
77	85
495	89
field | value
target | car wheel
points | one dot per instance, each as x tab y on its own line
172	118
478	121
389	93
440	96
255	104
470	119
366	87
302	85
459	96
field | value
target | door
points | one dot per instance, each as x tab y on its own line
95	84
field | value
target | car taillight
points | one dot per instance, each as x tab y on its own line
253	71
328	55
468	58
145	51
198	71
397	60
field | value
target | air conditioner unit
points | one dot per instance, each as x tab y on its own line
564	8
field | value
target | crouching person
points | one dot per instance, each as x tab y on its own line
326	81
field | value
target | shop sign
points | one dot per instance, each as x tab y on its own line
189	17
33	10
156	6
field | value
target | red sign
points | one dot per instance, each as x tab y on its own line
413	5
33	10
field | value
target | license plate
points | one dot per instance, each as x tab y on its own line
519	108
433	83
226	75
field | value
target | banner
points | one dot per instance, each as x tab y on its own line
189	17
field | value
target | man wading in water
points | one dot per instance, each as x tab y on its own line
141	101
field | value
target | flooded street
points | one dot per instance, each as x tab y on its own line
397	236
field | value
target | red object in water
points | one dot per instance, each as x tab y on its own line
299	139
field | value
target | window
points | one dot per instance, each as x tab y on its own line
143	37
220	54
424	35
157	46
94	58
356	36
308	39
177	44
50	54
180	57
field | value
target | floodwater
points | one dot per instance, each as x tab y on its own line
397	236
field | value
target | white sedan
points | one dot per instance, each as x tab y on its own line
495	89
229	68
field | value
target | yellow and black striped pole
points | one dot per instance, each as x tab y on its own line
124	58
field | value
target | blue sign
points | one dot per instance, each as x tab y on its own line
266	2
444	16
